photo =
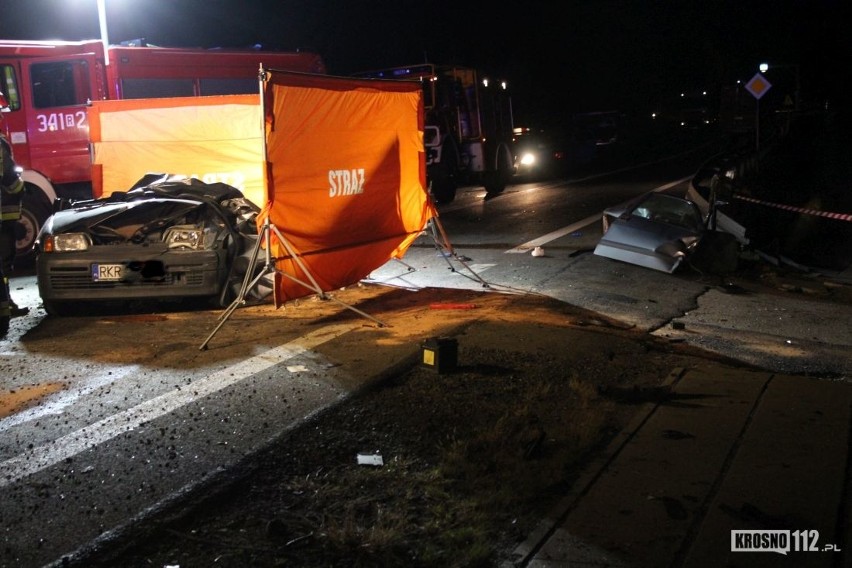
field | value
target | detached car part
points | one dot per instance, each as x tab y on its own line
655	230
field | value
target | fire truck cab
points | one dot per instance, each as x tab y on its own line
468	127
49	84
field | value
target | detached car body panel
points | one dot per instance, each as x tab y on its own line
164	238
655	230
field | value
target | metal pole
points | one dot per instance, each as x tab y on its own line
103	23
757	124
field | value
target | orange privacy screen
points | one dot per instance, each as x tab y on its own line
346	177
215	139
344	160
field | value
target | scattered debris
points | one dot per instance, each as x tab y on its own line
370	458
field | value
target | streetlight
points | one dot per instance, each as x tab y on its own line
103	23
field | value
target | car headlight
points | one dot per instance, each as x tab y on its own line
67	242
527	159
184	237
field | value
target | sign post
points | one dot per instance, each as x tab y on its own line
757	86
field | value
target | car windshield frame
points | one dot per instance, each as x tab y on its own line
669	210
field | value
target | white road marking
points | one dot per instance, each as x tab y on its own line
671	184
544	239
478	267
58	403
529	245
37	459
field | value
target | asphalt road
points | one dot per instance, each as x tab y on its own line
109	417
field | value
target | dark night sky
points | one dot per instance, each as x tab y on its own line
559	57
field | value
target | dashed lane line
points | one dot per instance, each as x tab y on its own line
42	457
544	239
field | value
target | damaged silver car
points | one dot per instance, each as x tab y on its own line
655	230
165	238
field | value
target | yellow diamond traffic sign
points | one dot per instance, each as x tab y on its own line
758	85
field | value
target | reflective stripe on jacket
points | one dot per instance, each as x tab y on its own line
11	185
10	211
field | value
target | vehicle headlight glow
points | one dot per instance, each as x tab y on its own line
67	242
184	237
527	159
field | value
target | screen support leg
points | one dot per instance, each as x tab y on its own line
249	281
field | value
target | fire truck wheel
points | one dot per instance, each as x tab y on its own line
34	213
443	184
444	190
496	181
443	175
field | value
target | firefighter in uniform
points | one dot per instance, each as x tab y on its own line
5	308
11	193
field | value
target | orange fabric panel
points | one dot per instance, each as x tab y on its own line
114	105
215	139
347	183
97	180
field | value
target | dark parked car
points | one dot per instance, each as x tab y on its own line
165	238
538	153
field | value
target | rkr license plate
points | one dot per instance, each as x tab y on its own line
107	272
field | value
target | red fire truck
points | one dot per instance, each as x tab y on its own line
48	86
468	131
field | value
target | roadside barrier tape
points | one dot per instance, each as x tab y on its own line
828	215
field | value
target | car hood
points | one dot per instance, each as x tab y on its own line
118	215
646	243
154	204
